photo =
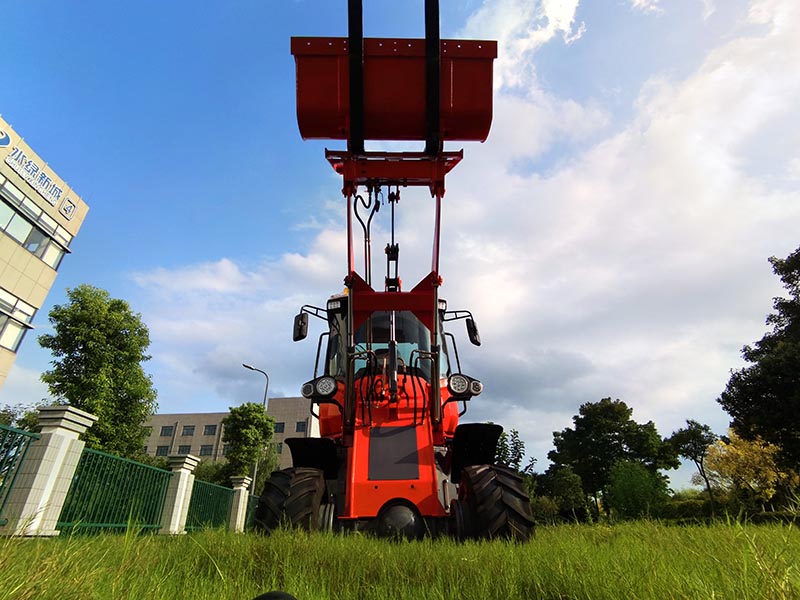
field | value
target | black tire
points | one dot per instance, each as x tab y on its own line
499	506
291	497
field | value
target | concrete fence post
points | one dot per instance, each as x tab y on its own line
241	497
179	493
46	474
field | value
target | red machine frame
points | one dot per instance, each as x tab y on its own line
391	450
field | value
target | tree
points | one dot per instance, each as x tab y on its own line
692	442
763	398
748	468
634	491
510	450
247	431
213	472
564	487
604	435
20	416
99	346
10	414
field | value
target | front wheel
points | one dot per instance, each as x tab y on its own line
497	503
291	497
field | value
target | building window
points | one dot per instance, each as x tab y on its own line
19	228
6	212
162	450
52	256
280	448
279	427
167	430
188	430
300	427
184	449
15	316
35	242
35	231
11	332
210	430
206	450
225	449
16	308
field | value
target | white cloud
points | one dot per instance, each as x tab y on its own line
222	276
709	8
521	27
647	5
635	268
23	386
647	253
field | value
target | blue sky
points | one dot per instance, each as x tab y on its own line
610	236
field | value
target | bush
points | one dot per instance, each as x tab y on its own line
219	473
634	491
687	508
545	510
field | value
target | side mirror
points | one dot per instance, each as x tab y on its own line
472	331
300	327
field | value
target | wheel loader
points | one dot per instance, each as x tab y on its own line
388	388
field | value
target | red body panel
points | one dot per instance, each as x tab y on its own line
366	496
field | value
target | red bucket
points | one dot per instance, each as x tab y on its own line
394	88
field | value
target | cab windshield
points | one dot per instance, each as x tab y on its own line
413	344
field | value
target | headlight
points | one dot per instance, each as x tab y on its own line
334	304
325	386
307	390
475	387
458	385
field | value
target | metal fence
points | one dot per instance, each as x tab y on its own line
252	502
113	493
14	445
209	506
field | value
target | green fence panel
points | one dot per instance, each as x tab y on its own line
252	502
14	445
209	506
111	493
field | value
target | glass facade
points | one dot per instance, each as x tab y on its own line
36	231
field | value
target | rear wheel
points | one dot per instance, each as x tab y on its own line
498	505
291	497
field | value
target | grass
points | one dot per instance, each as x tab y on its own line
629	560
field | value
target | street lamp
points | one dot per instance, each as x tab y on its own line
266	389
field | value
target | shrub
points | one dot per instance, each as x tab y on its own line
634	491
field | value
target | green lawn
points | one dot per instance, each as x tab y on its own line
636	560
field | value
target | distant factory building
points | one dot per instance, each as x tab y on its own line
40	215
200	434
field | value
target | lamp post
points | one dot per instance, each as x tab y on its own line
266	389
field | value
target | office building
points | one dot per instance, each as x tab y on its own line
200	434
40	215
